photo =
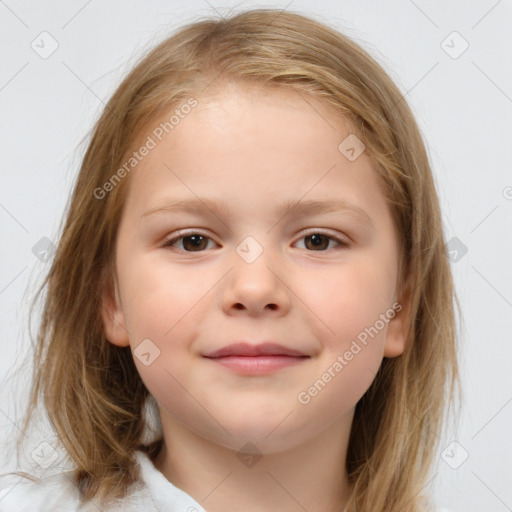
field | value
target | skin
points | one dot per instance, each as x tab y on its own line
257	148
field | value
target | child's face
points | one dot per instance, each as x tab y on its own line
259	276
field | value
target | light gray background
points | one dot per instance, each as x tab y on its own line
463	106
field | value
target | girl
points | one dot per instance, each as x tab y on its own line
200	349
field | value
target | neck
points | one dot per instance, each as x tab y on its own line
311	476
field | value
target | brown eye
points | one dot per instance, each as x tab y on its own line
190	243
315	241
319	242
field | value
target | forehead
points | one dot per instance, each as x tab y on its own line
281	104
246	145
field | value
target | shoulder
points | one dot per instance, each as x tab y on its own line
23	492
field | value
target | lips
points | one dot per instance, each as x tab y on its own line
248	350
253	360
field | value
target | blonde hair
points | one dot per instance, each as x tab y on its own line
91	389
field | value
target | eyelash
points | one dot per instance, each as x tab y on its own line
183	234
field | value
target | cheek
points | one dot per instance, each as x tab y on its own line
166	380
347	305
163	306
338	389
158	296
345	300
160	305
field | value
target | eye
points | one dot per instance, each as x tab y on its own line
193	241
318	241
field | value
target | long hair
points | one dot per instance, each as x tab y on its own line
90	388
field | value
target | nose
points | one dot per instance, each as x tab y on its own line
256	288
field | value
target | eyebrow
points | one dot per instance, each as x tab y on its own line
290	207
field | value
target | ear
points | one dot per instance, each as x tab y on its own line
399	325
114	322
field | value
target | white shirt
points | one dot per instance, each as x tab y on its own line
58	493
